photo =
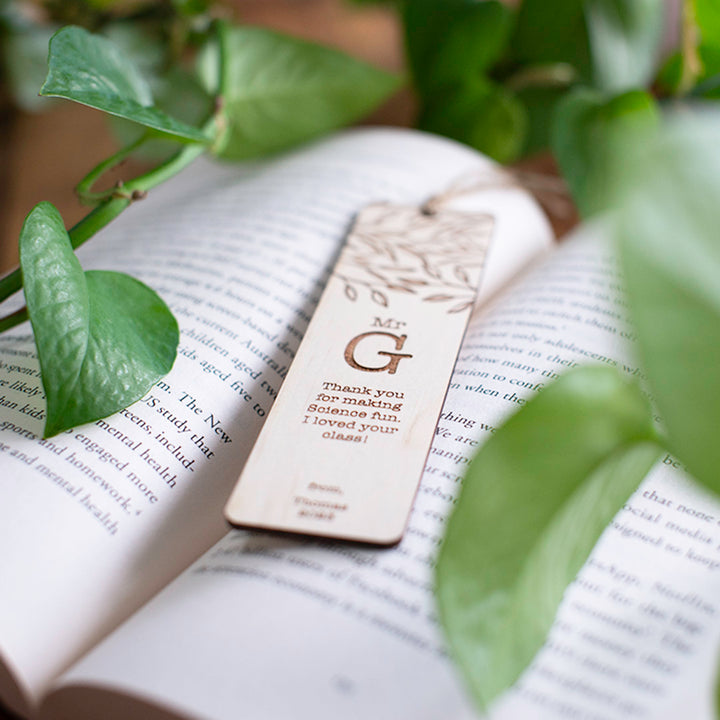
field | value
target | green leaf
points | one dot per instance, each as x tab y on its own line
483	115
90	70
280	91
534	501
625	37
709	88
708	20
118	5
586	131
451	42
540	104
191	7
177	92
103	338
553	33
670	254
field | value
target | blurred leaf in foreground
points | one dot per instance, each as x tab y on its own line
535	500
670	254
588	128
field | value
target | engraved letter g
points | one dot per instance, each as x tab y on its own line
390	366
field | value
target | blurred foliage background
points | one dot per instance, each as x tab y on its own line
490	74
47	146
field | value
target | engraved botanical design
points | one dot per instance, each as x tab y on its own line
397	249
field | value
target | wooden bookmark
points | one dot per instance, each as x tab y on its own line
344	446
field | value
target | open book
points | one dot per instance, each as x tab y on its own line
123	593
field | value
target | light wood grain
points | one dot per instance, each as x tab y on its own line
345	444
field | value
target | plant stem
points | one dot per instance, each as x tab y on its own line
96	219
100	216
84	187
223	34
692	66
136	189
133	190
222	31
10	321
112	207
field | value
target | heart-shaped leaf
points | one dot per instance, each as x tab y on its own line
668	232
91	70
534	502
279	91
103	338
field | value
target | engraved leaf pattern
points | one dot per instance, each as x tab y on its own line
461	307
412	281
394	249
461	274
433	272
400	288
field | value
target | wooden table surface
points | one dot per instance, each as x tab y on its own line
43	156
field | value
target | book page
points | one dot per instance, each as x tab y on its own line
94	521
280	627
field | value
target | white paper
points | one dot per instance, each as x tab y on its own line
95	521
268	626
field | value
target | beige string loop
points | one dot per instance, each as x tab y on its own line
551	192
